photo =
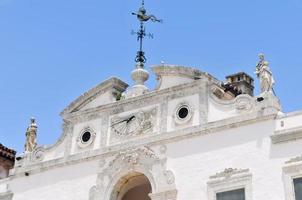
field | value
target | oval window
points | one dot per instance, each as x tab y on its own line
183	112
86	137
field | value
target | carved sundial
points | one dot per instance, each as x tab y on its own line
133	124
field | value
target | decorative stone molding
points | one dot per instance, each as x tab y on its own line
228	173
142	100
244	103
67	128
113	84
5	192
38	154
141	160
287	135
228	180
156	139
6	196
294	160
291	171
177	119
133	125
169	195
83	144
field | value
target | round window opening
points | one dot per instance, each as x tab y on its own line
183	112
86	137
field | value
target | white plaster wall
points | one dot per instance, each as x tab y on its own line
4	185
72	182
56	152
193	161
170	81
103	99
173	105
95	126
218	112
290	120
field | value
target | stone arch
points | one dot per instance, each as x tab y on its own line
140	160
134	182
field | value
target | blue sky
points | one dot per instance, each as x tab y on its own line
52	51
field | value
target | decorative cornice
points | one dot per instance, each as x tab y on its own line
294	160
6	196
94	92
142	99
287	135
229	172
132	156
181	71
153	140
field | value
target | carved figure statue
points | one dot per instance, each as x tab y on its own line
265	75
31	136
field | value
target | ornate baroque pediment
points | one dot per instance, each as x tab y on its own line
142	160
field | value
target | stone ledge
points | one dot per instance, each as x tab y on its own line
6	196
287	135
159	139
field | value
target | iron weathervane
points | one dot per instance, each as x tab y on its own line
141	34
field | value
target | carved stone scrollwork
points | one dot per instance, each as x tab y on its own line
38	154
244	103
170	177
141	160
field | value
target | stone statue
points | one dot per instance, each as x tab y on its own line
265	75
31	136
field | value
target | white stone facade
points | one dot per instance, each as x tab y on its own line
213	145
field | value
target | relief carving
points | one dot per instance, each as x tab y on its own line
142	160
243	103
229	172
133	125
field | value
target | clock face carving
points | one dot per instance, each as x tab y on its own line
135	124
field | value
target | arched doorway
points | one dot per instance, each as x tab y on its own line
134	186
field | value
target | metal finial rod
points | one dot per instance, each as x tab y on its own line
143	17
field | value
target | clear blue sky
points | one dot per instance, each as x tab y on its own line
51	51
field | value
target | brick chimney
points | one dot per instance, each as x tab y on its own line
7	160
241	82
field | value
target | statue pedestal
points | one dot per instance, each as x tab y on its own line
270	104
